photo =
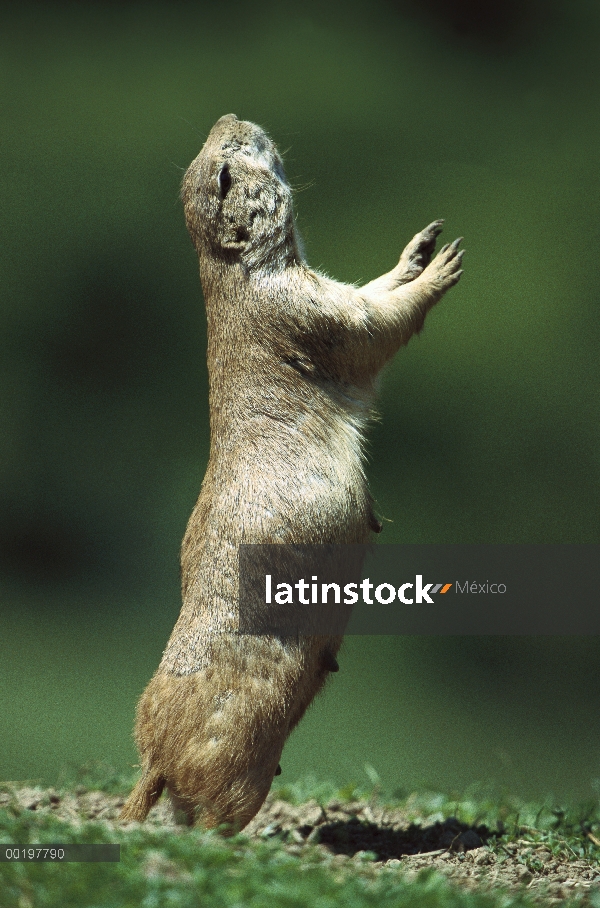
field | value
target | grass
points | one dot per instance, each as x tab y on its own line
198	868
193	869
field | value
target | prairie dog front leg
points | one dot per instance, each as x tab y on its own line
399	311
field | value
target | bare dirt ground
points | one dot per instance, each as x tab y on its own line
468	855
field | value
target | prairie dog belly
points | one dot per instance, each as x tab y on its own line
310	489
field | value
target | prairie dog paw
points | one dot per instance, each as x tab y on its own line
417	254
445	270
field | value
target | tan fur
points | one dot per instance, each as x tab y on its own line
292	360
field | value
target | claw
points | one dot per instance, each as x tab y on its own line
432	231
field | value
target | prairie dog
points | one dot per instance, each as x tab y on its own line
292	362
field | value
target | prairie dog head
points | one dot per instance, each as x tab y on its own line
237	201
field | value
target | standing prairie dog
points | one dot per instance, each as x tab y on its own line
292	360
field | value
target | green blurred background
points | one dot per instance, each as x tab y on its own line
389	115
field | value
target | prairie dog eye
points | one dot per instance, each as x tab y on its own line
224	180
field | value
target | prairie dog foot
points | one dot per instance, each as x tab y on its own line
445	271
417	255
413	261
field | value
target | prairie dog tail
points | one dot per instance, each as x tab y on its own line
144	796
